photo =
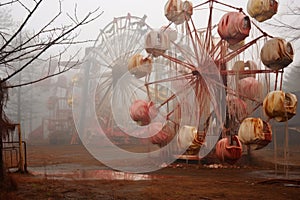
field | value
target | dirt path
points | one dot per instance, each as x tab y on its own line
177	181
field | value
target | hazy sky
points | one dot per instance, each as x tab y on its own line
153	9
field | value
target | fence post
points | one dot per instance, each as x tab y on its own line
1	160
21	152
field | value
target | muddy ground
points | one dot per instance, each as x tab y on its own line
181	180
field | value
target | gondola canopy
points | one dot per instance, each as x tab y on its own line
280	105
178	11
262	10
139	66
255	132
234	27
277	53
157	42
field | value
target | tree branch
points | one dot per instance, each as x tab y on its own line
7	3
55	36
22	26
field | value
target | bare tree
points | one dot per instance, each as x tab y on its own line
286	25
33	47
287	22
37	44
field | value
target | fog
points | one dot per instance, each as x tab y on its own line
35	105
153	10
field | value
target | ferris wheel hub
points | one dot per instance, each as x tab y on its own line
196	73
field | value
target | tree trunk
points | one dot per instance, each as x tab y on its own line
1	161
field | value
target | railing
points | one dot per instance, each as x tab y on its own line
15	152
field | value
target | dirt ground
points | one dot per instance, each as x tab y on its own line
179	180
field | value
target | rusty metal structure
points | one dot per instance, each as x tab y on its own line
186	81
15	151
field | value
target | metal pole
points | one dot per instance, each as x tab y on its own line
21	153
286	150
1	160
275	151
84	94
25	156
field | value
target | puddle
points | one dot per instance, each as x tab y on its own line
279	174
64	168
72	172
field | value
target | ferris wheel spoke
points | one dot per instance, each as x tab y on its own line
102	91
128	39
196	44
117	43
134	82
175	78
106	74
127	96
137	31
105	84
125	35
178	61
104	99
135	40
102	58
109	47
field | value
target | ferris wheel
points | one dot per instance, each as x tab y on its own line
116	42
178	87
233	38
